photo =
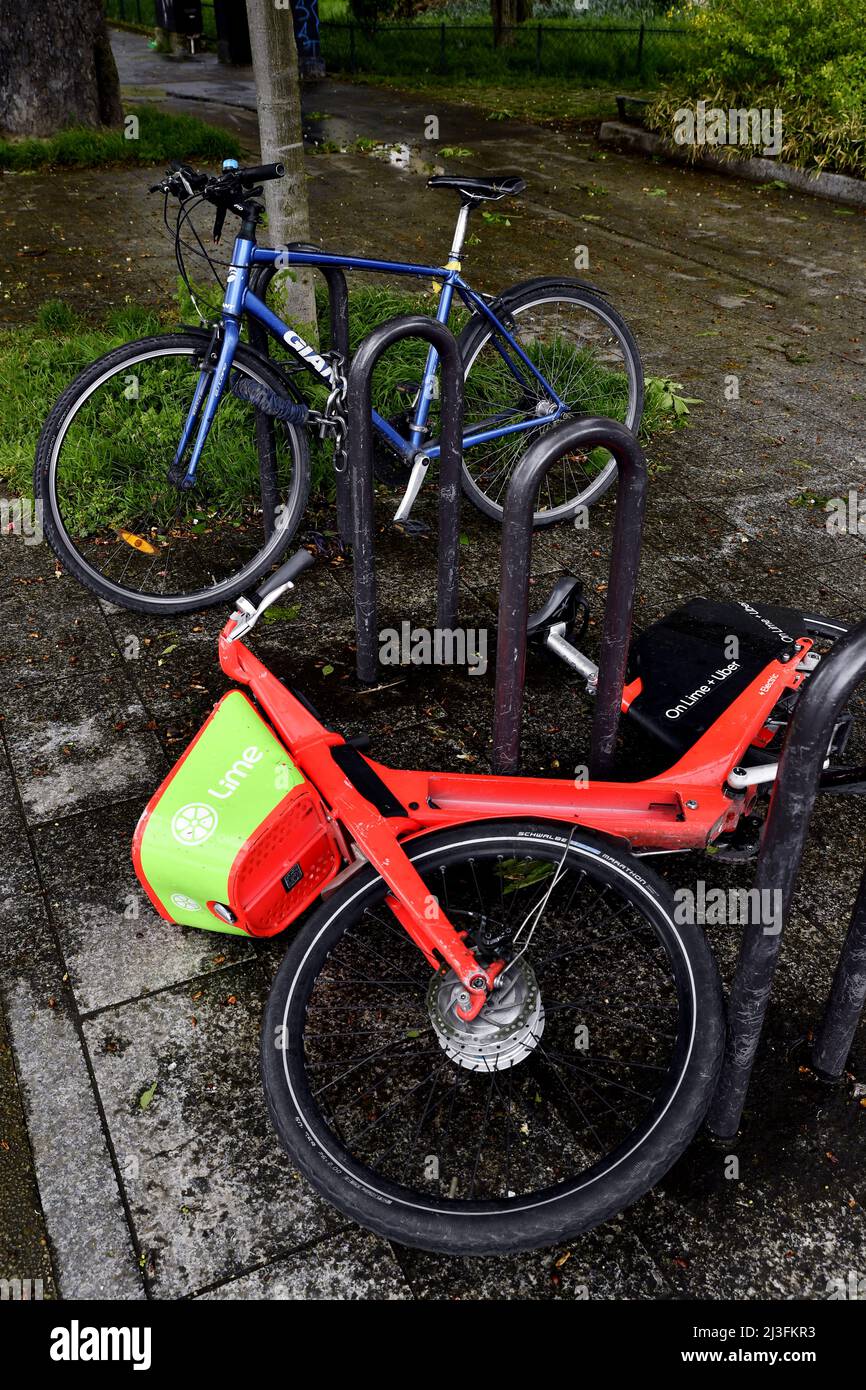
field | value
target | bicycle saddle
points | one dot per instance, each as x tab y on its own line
474	190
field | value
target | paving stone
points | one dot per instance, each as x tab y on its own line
25	942
215	1206
90	1240
24	1252
351	1265
609	1262
210	1190
52	627
80	744
114	943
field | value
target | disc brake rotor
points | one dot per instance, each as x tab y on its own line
504	1033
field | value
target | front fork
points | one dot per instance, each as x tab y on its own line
216	368
420	914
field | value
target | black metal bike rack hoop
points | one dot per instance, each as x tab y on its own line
360	469
781	853
583	434
338	315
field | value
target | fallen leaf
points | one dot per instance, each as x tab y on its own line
147	1096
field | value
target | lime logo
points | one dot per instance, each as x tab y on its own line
184	903
237	773
193	824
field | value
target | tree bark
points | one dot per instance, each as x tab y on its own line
504	14
278	96
56	67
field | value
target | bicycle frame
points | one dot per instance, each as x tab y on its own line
687	807
240	300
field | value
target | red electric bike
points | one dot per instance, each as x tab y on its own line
493	1032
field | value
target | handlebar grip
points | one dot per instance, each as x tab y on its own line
301	560
255	172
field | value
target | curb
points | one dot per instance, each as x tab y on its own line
837	188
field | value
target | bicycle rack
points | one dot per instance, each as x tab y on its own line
338	311
360	471
781	853
517	530
795	788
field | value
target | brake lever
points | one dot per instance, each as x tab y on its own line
219	223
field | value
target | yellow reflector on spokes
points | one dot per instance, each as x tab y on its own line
137	542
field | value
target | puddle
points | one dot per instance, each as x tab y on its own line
410	159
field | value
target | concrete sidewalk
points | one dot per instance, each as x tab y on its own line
191	1195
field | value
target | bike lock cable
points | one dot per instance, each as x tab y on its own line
268	401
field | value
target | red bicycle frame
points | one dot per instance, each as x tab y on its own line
686	807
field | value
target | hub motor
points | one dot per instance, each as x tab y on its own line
505	1032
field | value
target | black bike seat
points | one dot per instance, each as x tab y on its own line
566	600
473	190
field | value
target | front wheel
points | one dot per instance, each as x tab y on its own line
111	511
583	1079
586	352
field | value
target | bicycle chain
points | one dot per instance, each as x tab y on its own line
332	420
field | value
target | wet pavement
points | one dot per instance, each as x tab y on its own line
732	290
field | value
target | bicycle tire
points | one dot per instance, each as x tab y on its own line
521	297
51	438
512	1223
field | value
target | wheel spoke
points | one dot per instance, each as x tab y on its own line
501	1108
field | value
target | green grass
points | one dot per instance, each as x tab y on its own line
37	363
546	101
160	137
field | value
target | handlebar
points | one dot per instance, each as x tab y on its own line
254	173
251	606
228	191
286	574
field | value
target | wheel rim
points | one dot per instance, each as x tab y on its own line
109	491
579	350
349	1045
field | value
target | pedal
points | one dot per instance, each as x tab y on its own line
412	528
560	623
566	602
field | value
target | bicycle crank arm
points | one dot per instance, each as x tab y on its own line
416	482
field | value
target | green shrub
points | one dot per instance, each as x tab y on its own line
806	57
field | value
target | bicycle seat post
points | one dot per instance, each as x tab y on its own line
459	236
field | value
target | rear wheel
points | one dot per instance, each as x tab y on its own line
580	1083
110	510
586	353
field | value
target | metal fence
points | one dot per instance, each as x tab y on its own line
602	51
595	51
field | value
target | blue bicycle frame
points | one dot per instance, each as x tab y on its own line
240	299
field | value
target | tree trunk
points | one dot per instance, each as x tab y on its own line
278	96
56	67
504	14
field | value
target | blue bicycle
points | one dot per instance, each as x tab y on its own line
175	470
